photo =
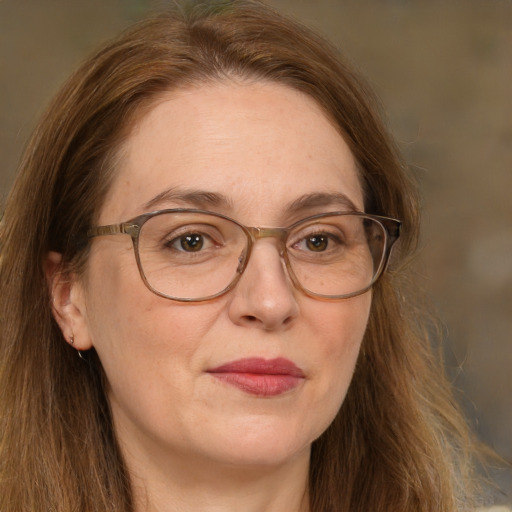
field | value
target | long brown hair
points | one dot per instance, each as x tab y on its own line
398	442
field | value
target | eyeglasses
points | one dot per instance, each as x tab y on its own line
192	255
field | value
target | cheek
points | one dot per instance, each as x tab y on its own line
112	281
149	347
340	327
132	327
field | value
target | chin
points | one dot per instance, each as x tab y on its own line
264	444
265	457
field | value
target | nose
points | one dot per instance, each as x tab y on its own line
264	297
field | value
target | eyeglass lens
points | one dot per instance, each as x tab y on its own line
190	255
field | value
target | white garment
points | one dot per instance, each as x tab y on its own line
497	508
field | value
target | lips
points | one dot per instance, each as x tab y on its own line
259	376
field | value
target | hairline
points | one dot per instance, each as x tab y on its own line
119	152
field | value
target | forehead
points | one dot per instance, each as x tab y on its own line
261	146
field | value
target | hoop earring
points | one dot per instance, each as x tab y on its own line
72	342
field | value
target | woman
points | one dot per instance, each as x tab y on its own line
157	353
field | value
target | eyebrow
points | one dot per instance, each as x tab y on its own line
199	198
322	199
203	199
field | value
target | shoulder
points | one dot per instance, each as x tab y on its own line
500	508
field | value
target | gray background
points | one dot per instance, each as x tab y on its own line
444	72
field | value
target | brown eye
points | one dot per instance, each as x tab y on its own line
192	242
317	243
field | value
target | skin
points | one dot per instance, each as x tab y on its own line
192	442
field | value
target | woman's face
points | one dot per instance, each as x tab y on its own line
248	151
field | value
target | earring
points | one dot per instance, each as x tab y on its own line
72	342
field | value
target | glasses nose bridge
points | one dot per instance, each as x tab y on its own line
280	233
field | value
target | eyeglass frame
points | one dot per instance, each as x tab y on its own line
392	228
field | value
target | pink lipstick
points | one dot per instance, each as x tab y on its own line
260	377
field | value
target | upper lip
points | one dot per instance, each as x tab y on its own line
260	366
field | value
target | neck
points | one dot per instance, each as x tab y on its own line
205	486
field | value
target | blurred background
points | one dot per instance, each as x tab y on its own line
443	70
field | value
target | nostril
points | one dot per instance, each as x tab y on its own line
288	320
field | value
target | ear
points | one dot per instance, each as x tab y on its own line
68	302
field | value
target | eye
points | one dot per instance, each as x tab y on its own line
190	242
317	243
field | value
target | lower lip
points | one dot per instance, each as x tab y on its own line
259	384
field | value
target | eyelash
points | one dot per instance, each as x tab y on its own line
330	235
